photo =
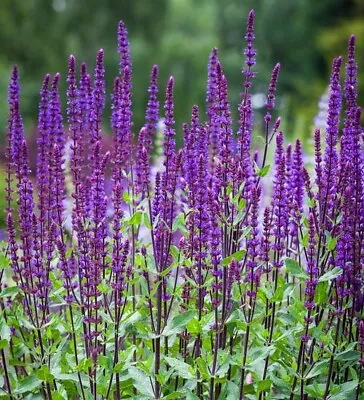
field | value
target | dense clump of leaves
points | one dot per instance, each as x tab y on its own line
197	277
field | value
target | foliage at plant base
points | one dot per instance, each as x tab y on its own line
208	275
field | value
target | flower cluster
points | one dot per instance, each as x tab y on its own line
187	272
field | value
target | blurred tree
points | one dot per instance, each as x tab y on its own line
178	35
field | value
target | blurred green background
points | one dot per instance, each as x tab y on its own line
304	35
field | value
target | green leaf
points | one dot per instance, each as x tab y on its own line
3	344
175	395
316	390
174	251
141	381
322	293
5	332
181	368
295	269
262	172
146	221
178	323
44	374
4	261
347	391
348	355
264	385
238	256
193	326
330	275
241	204
179	224
127	197
10	291
104	288
318	369
136	219
331	243
28	384
239	216
202	367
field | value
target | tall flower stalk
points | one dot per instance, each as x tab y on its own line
206	275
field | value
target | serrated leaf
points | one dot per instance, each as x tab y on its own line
141	381
193	326
174	395
264	385
202	367
178	323
27	385
179	223
146	221
331	243
44	374
10	291
348	355
347	391
127	197
238	256
330	275
66	377
4	261
3	344
262	172
181	368
318	369
136	219
295	269
241	204
322	293
104	288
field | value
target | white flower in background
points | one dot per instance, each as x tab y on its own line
321	117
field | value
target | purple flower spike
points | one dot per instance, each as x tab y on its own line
43	143
249	51
57	132
14	88
16	136
270	103
152	111
332	131
169	132
211	91
351	81
351	94
318	161
13	98
279	202
297	176
123	48
98	97
224	120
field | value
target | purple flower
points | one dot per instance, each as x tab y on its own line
249	51
169	132
123	48
330	155
270	102
279	208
